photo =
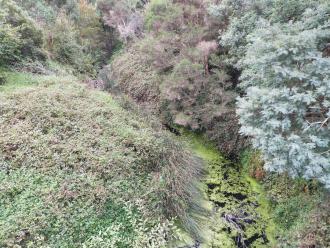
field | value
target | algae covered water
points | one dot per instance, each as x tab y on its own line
238	212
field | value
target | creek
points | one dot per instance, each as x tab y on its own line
238	211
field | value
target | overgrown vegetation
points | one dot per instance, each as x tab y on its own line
20	37
174	70
70	32
249	78
270	55
66	151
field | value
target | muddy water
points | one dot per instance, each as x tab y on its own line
237	209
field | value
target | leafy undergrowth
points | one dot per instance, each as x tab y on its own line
297	208
77	170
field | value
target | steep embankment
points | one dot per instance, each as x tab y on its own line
77	170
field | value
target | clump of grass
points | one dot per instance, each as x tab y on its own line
77	169
12	80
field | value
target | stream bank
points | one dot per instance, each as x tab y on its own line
237	206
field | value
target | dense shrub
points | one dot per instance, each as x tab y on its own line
124	16
10	45
63	43
175	71
28	37
42	12
73	31
297	206
130	73
299	209
91	33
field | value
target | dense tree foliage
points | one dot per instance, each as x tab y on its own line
174	70
20	36
287	106
278	45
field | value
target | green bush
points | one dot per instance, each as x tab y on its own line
39	10
78	39
92	36
30	36
65	48
10	45
160	12
298	207
288	212
302	219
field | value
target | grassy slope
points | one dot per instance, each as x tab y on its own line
76	169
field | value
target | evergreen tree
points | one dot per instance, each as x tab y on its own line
286	109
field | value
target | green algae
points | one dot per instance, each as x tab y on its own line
264	208
239	212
